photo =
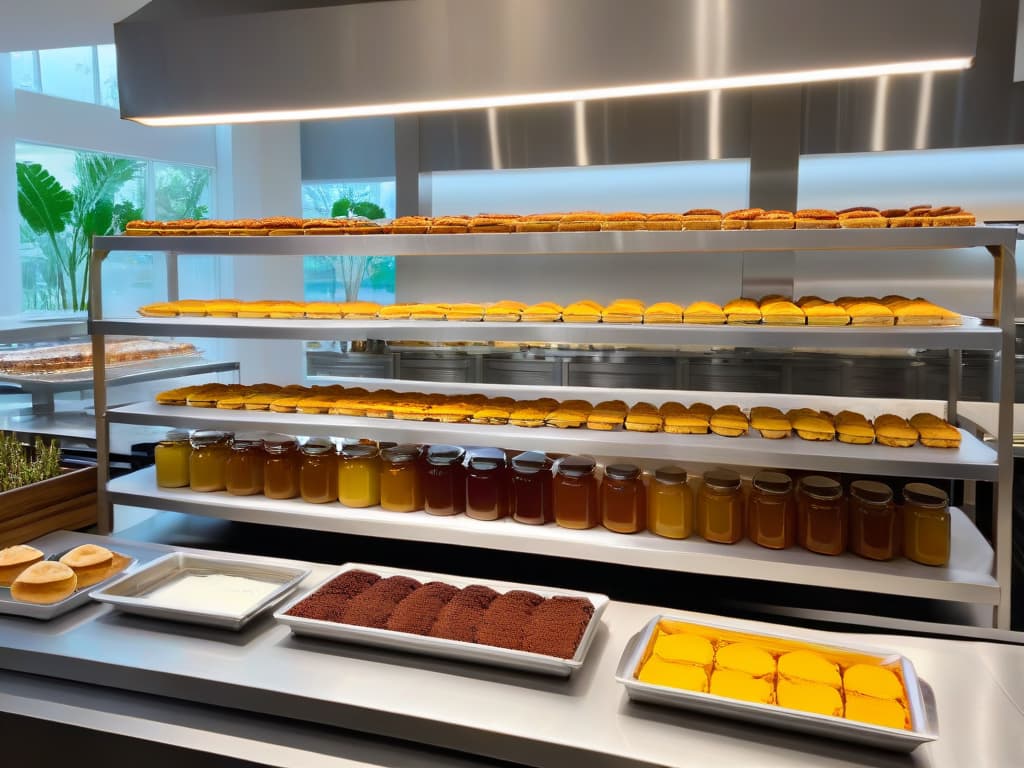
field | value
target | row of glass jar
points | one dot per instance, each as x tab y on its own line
534	489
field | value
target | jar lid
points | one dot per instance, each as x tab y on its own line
773	482
622	471
925	495
204	437
318	446
274	442
725	479
249	440
445	455
821	487
871	491
400	454
576	466
384	445
176	436
670	473
359	451
530	462
487	458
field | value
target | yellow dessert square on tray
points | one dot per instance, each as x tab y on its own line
739	685
809	697
688	677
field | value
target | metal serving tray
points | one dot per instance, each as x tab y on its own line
924	726
12	607
449	649
129	593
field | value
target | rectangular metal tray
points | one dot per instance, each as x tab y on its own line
129	593
449	649
924	726
11	607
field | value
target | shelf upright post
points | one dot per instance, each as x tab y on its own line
104	511
172	275
1004	306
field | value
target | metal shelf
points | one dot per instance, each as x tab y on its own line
972	461
31	328
967	579
972	337
545	244
129	373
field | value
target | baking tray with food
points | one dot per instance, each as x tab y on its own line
218	591
516	626
783	679
43	586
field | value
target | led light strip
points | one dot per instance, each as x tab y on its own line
555	97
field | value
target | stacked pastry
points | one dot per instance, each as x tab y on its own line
71	357
769	310
671	417
32	579
763	671
517	620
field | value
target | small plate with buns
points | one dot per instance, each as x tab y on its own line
42	586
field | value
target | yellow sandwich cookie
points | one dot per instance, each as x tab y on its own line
812	425
854	428
582	312
934	431
704	313
742	312
643	417
608	415
159	309
679	420
544	312
729	421
663	313
570	414
770	422
895	431
504	312
779	311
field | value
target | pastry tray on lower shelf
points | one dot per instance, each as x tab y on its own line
129	593
11	607
923	719
450	649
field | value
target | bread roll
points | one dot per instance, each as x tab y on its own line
90	562
45	582
14	560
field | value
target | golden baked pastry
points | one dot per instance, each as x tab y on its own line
411	225
742	312
286	403
804	666
623	311
884	712
729	421
772	220
894	431
679	420
429	311
451	410
360	310
665	222
702	219
287	310
539	222
811	425
191	307
14	560
910	217
142	228
821	312
854	428
865	311
585	311
643	417
159	309
177	396
495	411
544	312
607	415
253	309
809	697
90	562
493	223
223	307
627	221
949	216
741	218
684	648
45	582
862	218
663	313
704	313
570	414
323	310
873	680
581	221
780	311
816	218
449	225
395	312
531	413
935	432
504	311
770	422
465	313
746	658
737	685
687	677
921	312
208	395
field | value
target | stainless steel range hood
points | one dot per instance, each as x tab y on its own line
210	61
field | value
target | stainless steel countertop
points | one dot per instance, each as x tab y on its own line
978	687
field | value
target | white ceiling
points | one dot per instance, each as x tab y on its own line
34	24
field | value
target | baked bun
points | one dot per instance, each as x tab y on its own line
44	583
90	562
14	560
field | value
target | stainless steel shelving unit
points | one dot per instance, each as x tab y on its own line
985	581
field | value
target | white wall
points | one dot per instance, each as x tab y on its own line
10	269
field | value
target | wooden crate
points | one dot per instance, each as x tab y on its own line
66	502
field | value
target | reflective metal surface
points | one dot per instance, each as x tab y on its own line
382	54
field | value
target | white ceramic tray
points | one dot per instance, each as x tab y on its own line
11	607
128	594
449	649
923	721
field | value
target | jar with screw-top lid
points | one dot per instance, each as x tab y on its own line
318	473
623	499
400	489
532	489
822	517
281	467
208	461
926	524
575	493
444	480
874	530
670	503
359	475
771	511
244	468
487	484
720	507
171	456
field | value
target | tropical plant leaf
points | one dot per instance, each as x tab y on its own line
341	208
98	221
44	204
123	213
368	210
100	176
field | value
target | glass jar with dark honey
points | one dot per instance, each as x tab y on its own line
720	507
359	475
400	489
444	480
487	484
281	466
531	497
771	511
244	468
623	499
926	524
874	532
670	505
822	517
318	473
575	493
207	463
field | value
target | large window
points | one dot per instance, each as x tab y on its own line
347	278
86	73
66	196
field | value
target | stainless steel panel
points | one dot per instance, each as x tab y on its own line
731	374
529	372
436	366
379	54
629	372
